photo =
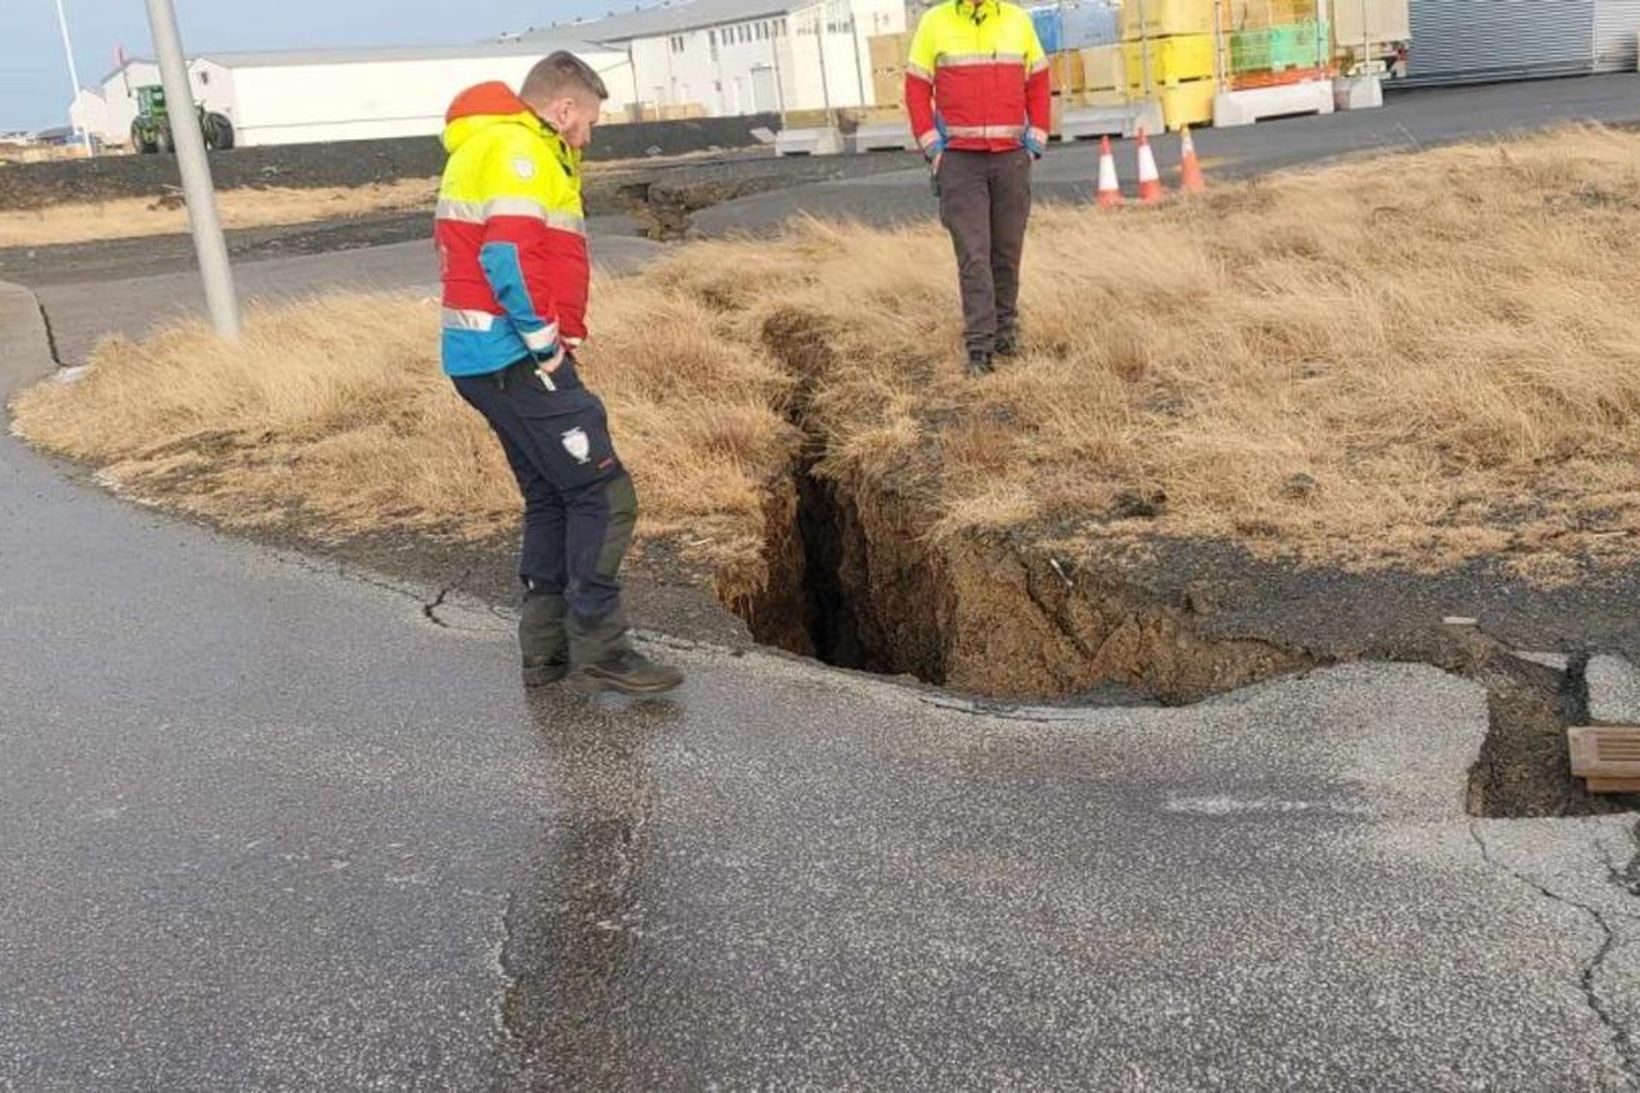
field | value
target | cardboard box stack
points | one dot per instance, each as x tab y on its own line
888	59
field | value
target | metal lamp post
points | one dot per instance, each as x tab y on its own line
74	75
214	269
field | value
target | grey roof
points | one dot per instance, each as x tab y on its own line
128	62
666	18
288	58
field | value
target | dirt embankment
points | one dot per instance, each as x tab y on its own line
345	164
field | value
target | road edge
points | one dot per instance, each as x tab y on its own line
26	351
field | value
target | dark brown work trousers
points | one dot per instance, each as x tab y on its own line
985	203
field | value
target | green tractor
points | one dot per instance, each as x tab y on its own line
151	129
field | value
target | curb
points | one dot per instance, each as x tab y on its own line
26	354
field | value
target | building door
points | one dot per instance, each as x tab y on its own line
765	96
1462	41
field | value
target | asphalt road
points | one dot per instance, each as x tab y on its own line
269	824
1070	172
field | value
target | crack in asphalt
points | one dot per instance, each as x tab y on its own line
51	334
1625	877
1628	1051
429	609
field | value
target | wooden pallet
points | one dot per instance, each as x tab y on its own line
1608	756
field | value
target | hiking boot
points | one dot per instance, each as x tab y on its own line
604	660
1008	345
628	672
542	639
979	363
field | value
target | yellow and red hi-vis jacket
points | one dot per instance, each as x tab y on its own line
977	80
511	235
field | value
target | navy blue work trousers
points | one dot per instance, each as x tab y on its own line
579	503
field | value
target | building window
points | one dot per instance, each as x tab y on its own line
677	44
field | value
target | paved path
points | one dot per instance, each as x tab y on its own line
267	824
84	311
1409	120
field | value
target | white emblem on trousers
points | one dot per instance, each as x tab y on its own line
577	445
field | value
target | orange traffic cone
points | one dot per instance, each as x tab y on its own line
1150	179
1191	179
1110	189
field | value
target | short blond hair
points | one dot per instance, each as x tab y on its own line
562	74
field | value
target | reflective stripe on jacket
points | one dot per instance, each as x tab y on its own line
511	235
977	79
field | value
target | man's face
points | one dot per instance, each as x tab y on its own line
573	116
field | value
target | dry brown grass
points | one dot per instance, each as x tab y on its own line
1444	346
130	217
334	411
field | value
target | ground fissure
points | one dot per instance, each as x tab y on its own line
856	579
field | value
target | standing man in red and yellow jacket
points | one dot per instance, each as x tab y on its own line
511	236
980	98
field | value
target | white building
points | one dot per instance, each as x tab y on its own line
749	56
298	97
108	110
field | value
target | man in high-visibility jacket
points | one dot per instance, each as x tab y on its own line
980	98
511	236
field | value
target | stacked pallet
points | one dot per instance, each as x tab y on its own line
1276	42
1169	55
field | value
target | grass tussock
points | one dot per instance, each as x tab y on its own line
131	217
1413	360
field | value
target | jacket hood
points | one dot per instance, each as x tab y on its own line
478	108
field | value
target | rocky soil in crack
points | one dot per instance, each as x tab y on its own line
856	580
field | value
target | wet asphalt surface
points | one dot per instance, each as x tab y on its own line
274	825
277	823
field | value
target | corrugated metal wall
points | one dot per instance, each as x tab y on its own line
1458	41
1616	24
